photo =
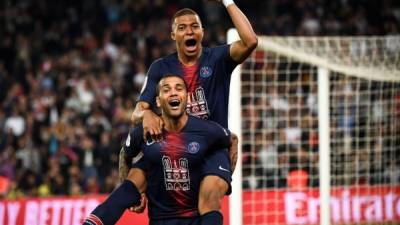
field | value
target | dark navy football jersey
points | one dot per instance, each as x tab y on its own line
173	167
208	85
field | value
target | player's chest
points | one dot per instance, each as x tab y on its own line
191	147
203	74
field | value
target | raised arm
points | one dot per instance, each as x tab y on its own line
242	48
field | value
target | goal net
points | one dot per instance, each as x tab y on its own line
321	131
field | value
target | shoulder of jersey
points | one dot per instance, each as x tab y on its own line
216	51
170	57
206	124
198	122
138	128
158	61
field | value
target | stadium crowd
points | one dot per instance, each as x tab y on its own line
280	126
70	73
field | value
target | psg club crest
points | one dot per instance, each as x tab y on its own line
205	71
193	147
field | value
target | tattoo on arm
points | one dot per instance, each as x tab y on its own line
123	166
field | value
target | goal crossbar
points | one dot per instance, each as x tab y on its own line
348	55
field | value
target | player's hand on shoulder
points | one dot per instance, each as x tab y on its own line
140	208
152	126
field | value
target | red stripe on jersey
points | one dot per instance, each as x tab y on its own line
190	76
175	147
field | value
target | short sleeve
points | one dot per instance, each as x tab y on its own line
220	136
148	93
132	144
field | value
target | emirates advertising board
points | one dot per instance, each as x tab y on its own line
353	205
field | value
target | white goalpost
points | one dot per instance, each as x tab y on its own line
235	125
319	126
324	146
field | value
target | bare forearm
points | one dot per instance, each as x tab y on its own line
138	177
137	115
246	33
123	165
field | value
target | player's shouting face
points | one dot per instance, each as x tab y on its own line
188	32
172	96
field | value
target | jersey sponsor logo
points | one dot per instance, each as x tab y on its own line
197	104
176	174
205	71
150	141
193	147
223	169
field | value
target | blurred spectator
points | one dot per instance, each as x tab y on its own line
4	186
15	123
87	157
297	179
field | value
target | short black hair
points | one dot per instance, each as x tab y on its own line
182	12
166	76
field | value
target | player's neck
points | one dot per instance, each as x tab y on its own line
189	60
175	124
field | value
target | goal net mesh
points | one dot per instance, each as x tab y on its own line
280	130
